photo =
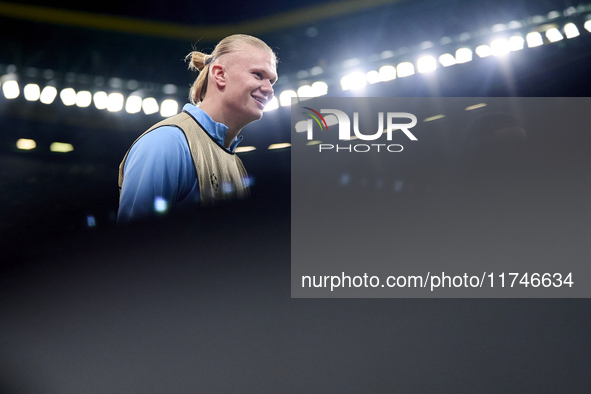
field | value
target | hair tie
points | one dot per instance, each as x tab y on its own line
208	60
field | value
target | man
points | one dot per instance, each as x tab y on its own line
190	157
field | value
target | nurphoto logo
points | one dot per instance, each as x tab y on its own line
345	130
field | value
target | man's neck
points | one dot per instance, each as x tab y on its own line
218	116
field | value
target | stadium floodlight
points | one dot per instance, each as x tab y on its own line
115	102
516	43
62	147
26	144
587	26
133	105
387	73
463	55
10	89
150	105
32	92
571	31
48	94
169	107
554	35
286	96
68	96
100	100
447	59
353	81
405	69
271	105
483	51
534	39
281	145
499	47
319	88
83	98
243	149
305	92
372	77
426	64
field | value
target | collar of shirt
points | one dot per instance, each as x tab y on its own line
216	130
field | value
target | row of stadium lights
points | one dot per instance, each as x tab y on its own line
115	102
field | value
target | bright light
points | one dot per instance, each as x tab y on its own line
405	69
68	96
319	88
534	39
160	204
169	107
279	146
61	147
387	73
483	51
587	26
242	149
48	94
100	100
463	55
499	47
355	80
516	43
570	30
150	105
554	35
83	98
32	92
286	96
305	92
114	102
10	89
133	105
434	117
271	105
372	77
25	144
475	106
447	59
426	64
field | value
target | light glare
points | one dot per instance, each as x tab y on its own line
405	69
447	59
516	43
355	80
426	64
114	102
100	100
499	47
10	89
48	94
68	96
271	105
32	92
150	105
554	35
133	105
387	73
286	96
26	144
83	98
463	55
534	39
483	51
570	30
61	147
169	107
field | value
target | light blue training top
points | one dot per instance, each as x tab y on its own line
159	174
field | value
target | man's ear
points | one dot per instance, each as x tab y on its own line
218	74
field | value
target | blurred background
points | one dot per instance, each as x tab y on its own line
90	307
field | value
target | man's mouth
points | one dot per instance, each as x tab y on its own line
261	100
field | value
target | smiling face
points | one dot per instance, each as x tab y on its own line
250	75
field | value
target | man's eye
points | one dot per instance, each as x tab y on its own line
259	75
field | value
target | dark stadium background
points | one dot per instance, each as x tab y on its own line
200	302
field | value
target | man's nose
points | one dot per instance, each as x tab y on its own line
267	88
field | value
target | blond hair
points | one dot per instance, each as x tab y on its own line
200	62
